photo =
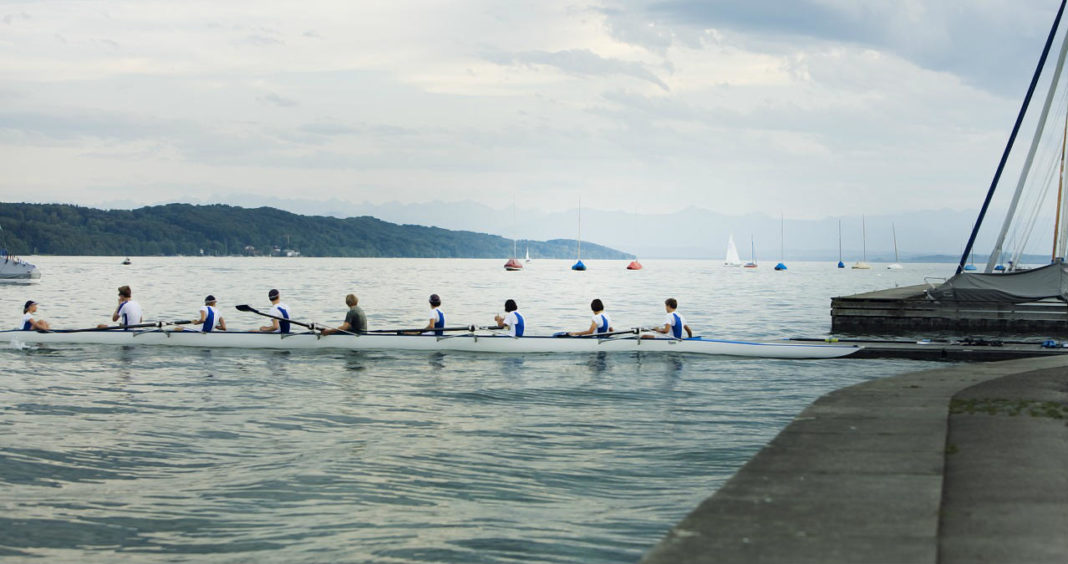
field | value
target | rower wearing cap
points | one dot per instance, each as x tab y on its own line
128	311
437	317
210	319
674	323
600	322
512	319
28	322
278	309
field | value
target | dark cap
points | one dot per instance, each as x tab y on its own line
209	299
26	307
435	300
272	294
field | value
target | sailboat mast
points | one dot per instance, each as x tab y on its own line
995	255
580	230
1012	138
782	233
864	238
839	240
893	231
1060	196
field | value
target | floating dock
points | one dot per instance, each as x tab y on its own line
908	309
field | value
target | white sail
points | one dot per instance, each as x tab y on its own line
732	253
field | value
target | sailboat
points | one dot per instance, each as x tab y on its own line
897	261
732	253
863	264
513	263
579	265
528	255
781	265
752	254
840	263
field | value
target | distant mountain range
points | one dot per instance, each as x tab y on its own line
184	229
691	232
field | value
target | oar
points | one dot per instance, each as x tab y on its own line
633	331
120	327
312	326
467	328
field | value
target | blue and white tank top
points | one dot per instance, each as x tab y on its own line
676	322
27	322
210	319
515	322
130	313
439	321
602	322
281	310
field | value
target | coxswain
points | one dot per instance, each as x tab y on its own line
278	309
511	319
600	323
210	319
355	318
674	323
128	311
28	322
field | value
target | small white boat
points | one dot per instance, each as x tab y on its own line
464	342
14	268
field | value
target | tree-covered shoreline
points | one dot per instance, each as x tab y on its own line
222	230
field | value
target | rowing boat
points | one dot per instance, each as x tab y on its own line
466	342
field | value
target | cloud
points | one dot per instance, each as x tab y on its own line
581	62
275	99
984	43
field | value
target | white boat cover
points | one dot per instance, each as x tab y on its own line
1049	281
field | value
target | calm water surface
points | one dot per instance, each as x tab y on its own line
165	455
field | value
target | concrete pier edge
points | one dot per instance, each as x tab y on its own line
967	463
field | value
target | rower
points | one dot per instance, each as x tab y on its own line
28	322
209	317
278	309
600	323
674	323
355	319
512	319
437	317
128	311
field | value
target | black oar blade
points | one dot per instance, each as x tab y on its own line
245	307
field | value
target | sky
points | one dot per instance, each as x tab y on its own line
805	108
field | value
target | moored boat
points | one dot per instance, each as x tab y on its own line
14	268
466	342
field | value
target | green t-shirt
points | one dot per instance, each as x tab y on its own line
356	319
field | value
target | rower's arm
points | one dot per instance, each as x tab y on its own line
689	334
590	331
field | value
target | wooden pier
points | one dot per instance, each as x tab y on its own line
908	310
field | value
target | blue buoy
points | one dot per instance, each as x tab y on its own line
969	267
578	266
841	264
780	266
999	267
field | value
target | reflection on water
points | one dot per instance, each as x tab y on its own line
161	455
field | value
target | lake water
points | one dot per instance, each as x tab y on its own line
162	455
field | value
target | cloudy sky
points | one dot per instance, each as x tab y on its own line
809	107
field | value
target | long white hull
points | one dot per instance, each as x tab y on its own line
464	342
